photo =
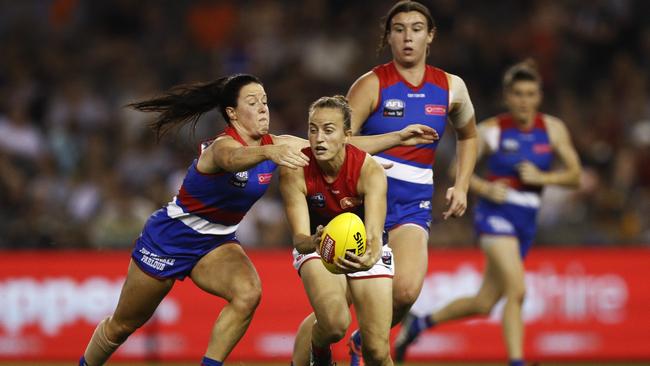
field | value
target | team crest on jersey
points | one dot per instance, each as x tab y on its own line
393	108
239	179
349	202
317	200
510	145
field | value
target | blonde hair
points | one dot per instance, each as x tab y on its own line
336	102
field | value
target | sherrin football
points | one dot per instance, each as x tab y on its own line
344	233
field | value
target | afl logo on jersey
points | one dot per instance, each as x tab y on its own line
317	200
510	145
393	108
239	179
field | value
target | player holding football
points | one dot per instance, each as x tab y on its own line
340	178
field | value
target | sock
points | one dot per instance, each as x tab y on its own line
356	337
516	363
429	322
321	353
210	362
82	361
100	348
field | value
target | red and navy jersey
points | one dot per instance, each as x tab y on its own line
516	145
327	200
211	204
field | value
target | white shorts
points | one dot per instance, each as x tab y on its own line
385	266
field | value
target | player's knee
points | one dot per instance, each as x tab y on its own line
375	352
516	293
247	296
405	296
117	331
335	324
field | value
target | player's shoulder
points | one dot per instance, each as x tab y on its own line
552	121
489	122
368	80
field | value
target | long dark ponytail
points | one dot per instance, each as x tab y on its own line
185	104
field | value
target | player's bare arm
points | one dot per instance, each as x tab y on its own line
292	188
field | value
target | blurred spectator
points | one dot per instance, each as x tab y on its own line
77	169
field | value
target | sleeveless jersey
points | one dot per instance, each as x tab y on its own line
517	215
410	180
326	200
515	146
211	204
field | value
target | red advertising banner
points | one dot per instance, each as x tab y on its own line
581	304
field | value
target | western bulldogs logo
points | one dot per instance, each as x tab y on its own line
393	108
317	200
239	179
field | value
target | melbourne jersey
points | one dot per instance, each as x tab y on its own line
410	180
211	204
326	200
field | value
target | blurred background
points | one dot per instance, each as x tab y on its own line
78	170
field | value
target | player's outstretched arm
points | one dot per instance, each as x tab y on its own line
293	189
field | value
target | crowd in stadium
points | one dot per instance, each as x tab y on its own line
79	170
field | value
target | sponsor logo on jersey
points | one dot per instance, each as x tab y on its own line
155	261
393	108
425	205
349	202
542	148
416	95
264	178
317	200
239	179
435	110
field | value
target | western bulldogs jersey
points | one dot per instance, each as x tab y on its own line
326	200
410	180
212	204
515	146
511	146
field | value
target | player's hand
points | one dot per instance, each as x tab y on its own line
530	175
456	203
354	263
496	192
288	155
417	134
317	237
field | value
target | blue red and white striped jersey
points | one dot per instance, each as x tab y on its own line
212	204
326	200
512	146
